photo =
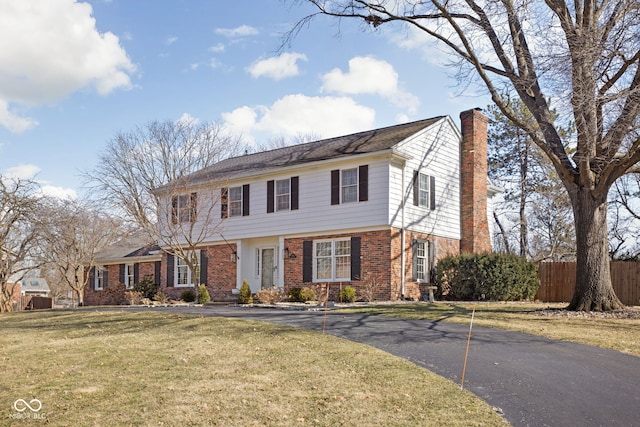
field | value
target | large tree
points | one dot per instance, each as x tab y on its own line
19	233
73	236
142	174
582	55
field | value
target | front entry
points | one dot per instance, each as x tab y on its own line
267	267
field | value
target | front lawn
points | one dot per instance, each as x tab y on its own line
147	368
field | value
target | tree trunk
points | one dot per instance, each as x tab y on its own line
594	289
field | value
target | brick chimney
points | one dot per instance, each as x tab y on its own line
473	183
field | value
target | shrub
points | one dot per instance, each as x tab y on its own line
497	277
347	294
203	294
188	295
114	294
301	294
270	295
244	297
161	297
146	287
134	297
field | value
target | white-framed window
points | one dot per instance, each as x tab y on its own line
423	190
332	260
128	276
235	201
184	208
99	277
283	194
183	276
422	262
349	185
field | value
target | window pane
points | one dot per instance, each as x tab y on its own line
343	267
349	185
323	268
343	247
282	195
323	249
424	190
235	201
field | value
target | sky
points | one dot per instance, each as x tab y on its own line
75	73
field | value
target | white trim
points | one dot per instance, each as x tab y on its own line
190	282
333	277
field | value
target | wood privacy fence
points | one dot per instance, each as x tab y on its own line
557	281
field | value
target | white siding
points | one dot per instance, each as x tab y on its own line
435	152
315	213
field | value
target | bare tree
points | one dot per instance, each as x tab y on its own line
625	218
19	233
136	163
74	234
143	175
582	55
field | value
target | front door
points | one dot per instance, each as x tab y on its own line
267	267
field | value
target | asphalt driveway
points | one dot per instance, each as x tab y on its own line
534	381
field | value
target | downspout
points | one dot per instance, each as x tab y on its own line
402	234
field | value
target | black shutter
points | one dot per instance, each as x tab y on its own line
294	192
335	187
270	196
92	277
170	261
245	200
157	272
174	209
432	192
136	273
224	203
105	277
203	266
416	188
193	207
355	258
307	261
414	260
432	262
363	184
121	274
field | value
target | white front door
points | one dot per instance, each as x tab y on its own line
267	266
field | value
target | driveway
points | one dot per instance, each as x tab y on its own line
534	381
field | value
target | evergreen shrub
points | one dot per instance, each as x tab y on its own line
244	297
489	276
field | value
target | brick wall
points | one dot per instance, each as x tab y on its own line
381	264
473	176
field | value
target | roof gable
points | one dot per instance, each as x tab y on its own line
358	143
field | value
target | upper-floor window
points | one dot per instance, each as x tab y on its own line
184	208
282	194
350	185
424	187
235	201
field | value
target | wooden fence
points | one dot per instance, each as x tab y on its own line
557	281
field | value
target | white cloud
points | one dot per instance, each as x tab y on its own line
14	122
58	192
277	67
54	50
22	172
187	118
368	75
299	114
217	48
171	40
241	31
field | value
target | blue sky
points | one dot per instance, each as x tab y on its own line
77	72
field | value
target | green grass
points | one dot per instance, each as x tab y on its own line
620	334
145	368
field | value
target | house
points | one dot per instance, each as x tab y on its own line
374	210
124	263
24	290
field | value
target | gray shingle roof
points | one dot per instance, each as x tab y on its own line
358	143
